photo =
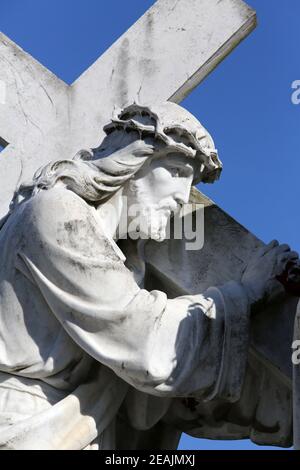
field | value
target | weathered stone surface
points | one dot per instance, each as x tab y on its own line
228	248
85	340
33	118
163	56
43	119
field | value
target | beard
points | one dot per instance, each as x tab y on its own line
149	220
152	222
155	222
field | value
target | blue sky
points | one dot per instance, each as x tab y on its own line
245	103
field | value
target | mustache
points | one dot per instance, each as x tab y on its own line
173	206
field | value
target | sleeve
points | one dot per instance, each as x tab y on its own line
191	345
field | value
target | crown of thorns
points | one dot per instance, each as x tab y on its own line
192	143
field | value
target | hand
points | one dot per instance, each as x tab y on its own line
260	276
290	278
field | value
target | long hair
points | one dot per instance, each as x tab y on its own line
132	137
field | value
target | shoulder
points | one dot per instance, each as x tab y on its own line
57	202
57	210
58	217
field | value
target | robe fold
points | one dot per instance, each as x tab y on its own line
86	354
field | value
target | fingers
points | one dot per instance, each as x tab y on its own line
283	260
294	274
288	256
283	248
273	244
293	255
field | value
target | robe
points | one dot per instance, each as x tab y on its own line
296	388
90	359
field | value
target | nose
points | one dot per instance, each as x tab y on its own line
182	197
182	192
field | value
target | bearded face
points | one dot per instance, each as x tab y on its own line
158	190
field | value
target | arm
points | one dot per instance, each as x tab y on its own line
166	347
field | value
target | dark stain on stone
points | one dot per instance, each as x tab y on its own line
146	63
112	74
70	227
121	69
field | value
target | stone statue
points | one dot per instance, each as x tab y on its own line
91	359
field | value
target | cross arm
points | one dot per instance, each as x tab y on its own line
33	117
163	56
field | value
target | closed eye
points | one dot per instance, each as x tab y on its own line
181	171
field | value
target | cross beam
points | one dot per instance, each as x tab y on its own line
228	248
163	56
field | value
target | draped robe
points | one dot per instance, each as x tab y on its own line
91	359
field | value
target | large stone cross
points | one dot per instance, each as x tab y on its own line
163	56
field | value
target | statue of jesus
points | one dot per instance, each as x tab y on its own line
88	356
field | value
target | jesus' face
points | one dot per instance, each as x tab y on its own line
159	190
